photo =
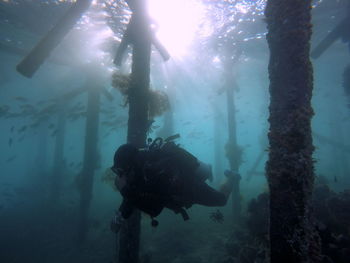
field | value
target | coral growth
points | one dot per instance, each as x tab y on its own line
158	103
121	82
333	222
250	244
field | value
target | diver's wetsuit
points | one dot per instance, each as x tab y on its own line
167	179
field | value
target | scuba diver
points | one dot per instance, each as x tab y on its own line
164	175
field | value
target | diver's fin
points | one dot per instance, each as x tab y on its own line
172	137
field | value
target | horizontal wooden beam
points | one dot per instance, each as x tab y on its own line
332	36
30	64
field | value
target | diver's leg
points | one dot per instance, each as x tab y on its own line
203	194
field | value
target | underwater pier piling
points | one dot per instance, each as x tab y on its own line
339	165
59	165
131	33
129	235
218	143
41	153
90	157
290	168
233	151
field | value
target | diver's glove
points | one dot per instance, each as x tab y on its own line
117	222
230	174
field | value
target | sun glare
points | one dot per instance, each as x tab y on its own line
177	22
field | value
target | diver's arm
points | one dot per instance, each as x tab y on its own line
227	185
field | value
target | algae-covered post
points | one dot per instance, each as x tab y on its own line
58	166
90	156
339	158
129	235
41	154
233	151
290	169
131	33
141	36
218	143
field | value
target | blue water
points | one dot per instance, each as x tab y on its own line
33	229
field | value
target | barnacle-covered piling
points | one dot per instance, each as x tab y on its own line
290	168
